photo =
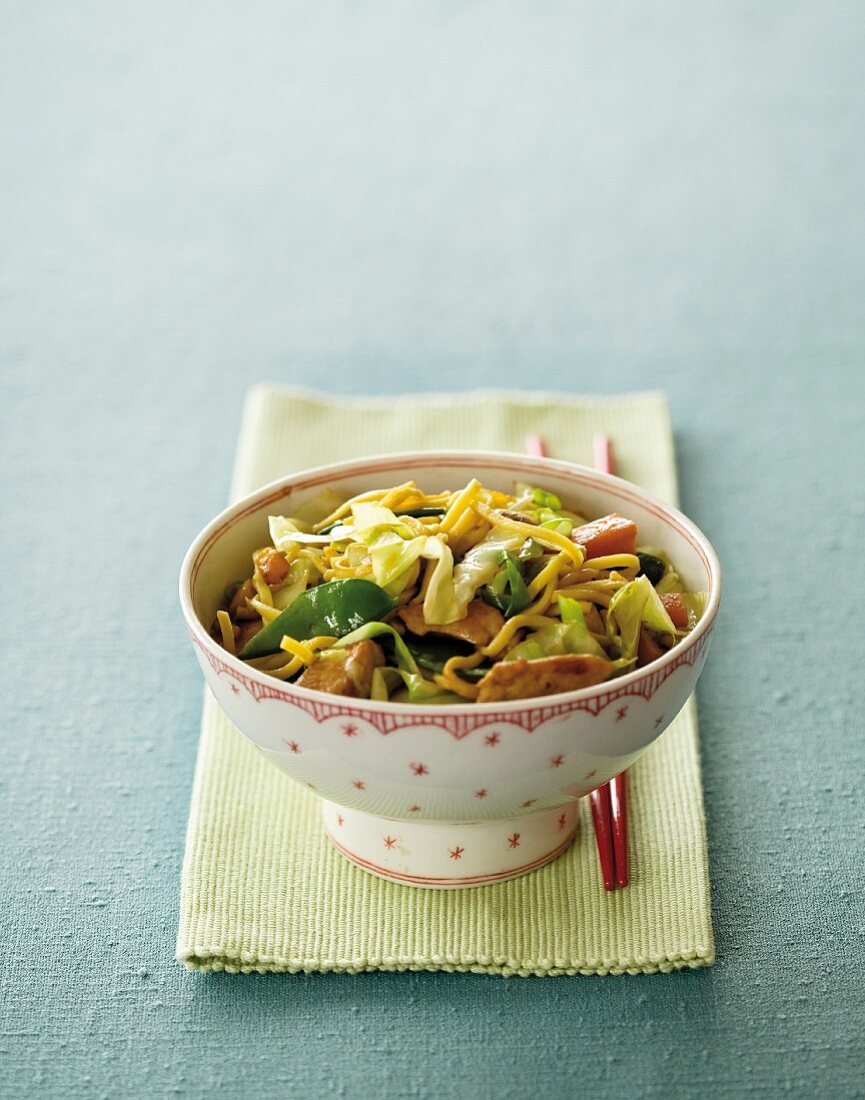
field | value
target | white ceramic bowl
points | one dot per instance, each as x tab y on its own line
460	795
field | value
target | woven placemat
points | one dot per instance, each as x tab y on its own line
262	889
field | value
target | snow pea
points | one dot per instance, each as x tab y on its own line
335	608
508	592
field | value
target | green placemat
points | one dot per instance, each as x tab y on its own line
263	890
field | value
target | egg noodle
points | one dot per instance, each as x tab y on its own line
473	594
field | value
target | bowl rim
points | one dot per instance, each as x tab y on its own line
318	476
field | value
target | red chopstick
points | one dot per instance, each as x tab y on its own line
605	460
609	802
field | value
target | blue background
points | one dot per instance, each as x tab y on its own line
401	197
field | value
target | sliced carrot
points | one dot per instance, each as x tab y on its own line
648	649
675	607
612	534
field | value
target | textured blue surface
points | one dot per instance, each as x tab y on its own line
371	198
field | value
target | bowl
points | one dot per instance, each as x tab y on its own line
458	795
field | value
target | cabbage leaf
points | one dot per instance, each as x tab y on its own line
571	635
634	604
392	556
412	688
287	536
478	567
507	591
295	583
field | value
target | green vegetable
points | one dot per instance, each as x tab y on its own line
634	604
507	591
335	608
530	551
295	583
418	513
571	635
413	688
651	567
440	604
669	583
478	567
332	526
669	580
285	534
560	524
370	519
570	610
407	677
695	602
546	500
433	653
403	656
392	557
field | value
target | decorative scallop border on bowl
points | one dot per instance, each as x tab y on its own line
458	725
639	683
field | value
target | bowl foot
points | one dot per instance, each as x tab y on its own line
448	856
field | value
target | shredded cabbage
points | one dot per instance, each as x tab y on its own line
286	535
634	604
478	567
546	500
371	519
571	635
413	688
507	591
442	602
295	583
695	603
392	556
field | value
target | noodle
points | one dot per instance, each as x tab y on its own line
459	506
261	587
267	611
548	573
484	573
305	651
613	561
590	592
544	535
518	622
227	630
451	681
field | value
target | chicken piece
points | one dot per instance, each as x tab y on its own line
648	649
546	676
480	626
248	630
272	565
239	608
345	671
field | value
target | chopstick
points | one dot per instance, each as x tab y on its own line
605	460
609	802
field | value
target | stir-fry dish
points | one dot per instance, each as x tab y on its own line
478	595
